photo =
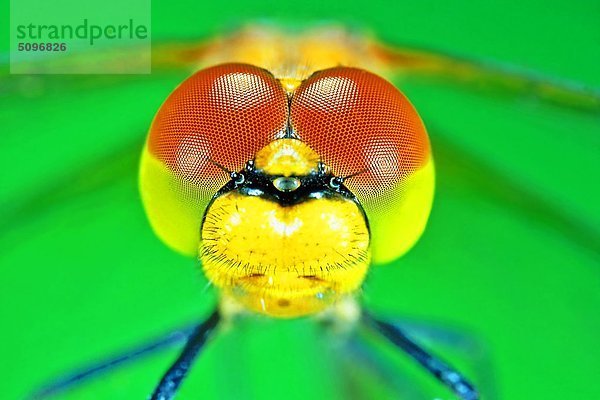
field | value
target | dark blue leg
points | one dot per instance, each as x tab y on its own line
168	385
186	334
442	371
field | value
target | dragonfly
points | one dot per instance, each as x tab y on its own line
323	50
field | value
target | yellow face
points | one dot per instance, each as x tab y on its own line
285	249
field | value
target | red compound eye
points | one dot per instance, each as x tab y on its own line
358	122
225	114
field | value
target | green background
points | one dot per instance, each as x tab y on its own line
509	259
